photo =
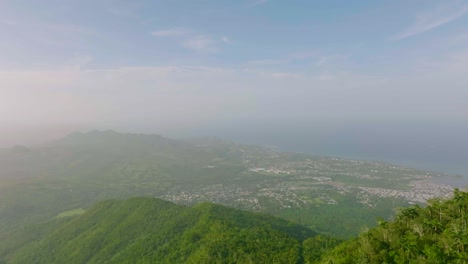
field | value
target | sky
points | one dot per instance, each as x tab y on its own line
162	66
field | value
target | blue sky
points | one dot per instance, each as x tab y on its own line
180	64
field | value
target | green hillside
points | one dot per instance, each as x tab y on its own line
149	230
437	233
333	196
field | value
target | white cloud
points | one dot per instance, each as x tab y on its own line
143	94
201	43
171	32
195	94
433	19
40	96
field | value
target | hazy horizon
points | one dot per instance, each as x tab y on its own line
233	131
181	68
433	147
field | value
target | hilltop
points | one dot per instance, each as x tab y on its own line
149	230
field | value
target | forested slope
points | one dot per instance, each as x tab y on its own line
149	230
433	234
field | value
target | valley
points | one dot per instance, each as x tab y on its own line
331	195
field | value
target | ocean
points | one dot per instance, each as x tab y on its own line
441	147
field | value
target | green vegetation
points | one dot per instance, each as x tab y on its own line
71	213
333	196
149	230
435	234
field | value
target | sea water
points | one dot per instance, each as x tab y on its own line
441	147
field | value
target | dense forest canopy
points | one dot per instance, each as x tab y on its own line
436	233
150	230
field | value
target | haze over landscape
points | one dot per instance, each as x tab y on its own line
315	112
177	67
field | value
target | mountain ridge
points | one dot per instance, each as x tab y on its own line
143	229
42	182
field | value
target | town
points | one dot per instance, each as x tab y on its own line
291	181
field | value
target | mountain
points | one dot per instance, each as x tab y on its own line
150	230
437	233
330	195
